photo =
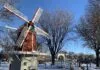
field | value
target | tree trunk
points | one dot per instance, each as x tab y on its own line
53	59
97	57
79	64
87	66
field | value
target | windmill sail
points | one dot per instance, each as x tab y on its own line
41	32
22	36
8	27
37	15
16	12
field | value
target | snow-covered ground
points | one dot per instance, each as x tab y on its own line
65	66
57	66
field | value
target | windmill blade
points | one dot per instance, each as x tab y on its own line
12	28
22	36
41	32
37	15
6	28
15	11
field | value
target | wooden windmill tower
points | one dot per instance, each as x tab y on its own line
27	37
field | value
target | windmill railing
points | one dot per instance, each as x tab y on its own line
25	52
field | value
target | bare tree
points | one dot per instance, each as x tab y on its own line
7	37
57	25
89	28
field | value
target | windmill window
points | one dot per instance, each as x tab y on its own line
25	63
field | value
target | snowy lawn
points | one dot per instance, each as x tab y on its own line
65	66
57	66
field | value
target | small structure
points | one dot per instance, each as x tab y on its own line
4	65
62	55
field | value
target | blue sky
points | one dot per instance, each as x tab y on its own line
76	7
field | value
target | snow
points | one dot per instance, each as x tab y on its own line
57	66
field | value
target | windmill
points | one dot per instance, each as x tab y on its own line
26	32
27	38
